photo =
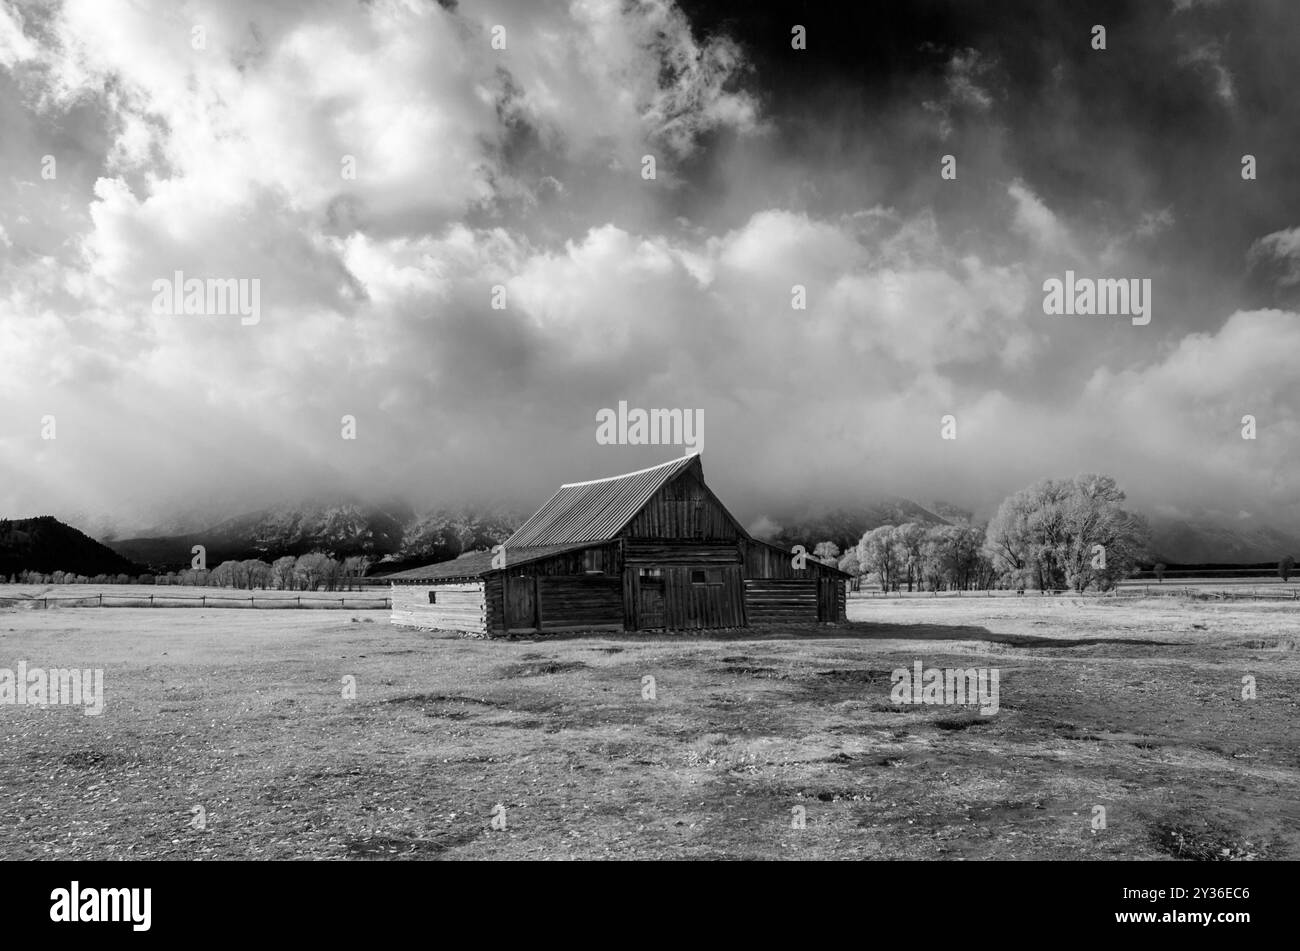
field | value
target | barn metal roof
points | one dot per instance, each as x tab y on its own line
475	564
598	510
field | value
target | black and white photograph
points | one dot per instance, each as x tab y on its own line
650	431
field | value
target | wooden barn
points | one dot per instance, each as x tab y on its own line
649	550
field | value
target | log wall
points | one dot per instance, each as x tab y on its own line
494	592
461	606
587	602
774	600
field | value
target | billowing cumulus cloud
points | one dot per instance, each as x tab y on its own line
387	176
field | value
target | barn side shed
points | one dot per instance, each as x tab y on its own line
648	550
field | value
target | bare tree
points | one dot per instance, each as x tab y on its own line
258	574
1066	532
310	569
283	569
878	552
355	568
827	553
849	564
910	539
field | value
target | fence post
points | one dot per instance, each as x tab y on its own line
151	600
101	599
203	601
299	600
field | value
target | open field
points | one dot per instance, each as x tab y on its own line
1134	705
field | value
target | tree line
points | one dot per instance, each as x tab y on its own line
310	572
1054	535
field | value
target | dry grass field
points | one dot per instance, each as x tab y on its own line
1134	705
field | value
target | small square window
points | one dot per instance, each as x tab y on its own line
699	577
433	597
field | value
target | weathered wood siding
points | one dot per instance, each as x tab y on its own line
494	590
606	557
685	606
520	596
642	553
548	602
767	561
772	600
685	508
832	599
580	602
461	606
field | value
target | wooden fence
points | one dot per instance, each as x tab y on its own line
1199	593
205	600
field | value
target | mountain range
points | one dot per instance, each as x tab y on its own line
393	534
396	536
47	545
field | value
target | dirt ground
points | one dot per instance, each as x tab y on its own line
1132	705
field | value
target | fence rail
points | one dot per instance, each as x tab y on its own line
205	600
1201	593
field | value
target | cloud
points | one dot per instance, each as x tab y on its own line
963	74
1153	223
1036	222
1182	6
430	115
517	171
1208	57
1186	410
1281	250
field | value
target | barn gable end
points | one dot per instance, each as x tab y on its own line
684	509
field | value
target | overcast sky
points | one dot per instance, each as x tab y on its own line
523	167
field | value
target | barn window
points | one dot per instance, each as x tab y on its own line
709	576
433	597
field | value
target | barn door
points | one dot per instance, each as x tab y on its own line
650	599
827	599
521	604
